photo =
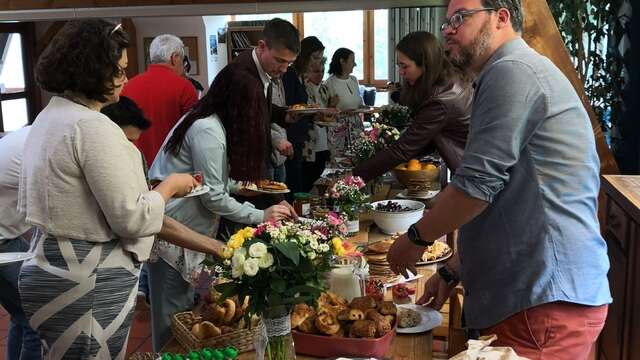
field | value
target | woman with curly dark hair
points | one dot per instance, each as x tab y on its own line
82	186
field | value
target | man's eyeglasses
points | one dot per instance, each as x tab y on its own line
456	20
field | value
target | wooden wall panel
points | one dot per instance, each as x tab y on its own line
541	33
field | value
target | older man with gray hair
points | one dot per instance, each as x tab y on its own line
162	92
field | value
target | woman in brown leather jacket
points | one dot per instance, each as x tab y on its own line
440	98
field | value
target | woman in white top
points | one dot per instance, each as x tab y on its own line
82	186
345	87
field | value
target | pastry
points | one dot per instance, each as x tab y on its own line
408	318
300	313
387	308
363	329
327	323
205	330
298	106
350	315
401	293
229	310
308	325
272	185
363	303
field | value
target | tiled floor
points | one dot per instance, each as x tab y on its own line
139	337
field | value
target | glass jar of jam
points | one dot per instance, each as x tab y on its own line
302	204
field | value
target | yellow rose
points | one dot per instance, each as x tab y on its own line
235	241
247	232
227	252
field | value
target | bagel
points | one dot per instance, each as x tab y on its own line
229	307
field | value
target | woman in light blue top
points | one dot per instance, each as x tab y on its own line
200	142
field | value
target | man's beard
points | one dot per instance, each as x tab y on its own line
467	54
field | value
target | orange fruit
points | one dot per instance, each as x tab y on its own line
414	165
429	167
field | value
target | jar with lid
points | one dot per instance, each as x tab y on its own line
302	203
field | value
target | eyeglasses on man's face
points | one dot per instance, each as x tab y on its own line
457	19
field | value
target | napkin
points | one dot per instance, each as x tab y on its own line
480	349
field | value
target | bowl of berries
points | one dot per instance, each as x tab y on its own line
395	216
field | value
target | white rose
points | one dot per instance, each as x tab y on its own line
251	267
313	243
257	250
311	255
237	270
238	259
265	261
323	247
242	251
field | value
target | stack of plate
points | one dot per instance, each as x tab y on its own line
377	258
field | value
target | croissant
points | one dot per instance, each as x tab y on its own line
363	329
327	323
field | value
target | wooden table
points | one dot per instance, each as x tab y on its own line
404	346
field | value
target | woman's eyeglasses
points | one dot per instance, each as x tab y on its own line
456	20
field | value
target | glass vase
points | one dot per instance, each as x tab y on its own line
275	341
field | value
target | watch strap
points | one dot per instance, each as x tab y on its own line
414	236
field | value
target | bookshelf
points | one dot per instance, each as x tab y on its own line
242	36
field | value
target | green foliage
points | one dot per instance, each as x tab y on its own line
586	28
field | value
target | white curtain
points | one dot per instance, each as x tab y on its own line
405	20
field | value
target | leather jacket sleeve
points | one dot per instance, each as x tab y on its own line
430	118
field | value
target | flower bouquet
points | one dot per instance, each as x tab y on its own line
348	197
370	141
278	264
395	115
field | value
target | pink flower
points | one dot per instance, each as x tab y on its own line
260	230
373	135
333	219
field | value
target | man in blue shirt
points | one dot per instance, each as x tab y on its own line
531	257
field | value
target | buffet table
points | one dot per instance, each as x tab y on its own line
404	346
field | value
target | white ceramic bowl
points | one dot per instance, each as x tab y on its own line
397	222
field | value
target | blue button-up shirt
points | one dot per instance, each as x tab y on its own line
531	155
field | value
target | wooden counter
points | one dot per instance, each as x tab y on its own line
621	334
403	347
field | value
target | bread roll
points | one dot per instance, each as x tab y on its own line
363	329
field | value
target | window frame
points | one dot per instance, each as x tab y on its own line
31	96
368	47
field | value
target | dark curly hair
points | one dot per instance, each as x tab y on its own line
83	57
335	68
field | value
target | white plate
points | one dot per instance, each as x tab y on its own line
449	254
311	110
430	194
430	319
198	191
12	257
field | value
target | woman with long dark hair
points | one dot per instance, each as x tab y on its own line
225	136
439	96
344	87
83	188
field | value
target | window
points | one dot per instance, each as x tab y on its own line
16	91
366	33
338	29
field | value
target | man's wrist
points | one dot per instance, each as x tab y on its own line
449	276
414	236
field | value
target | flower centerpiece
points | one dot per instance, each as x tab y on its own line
398	116
379	137
278	264
348	197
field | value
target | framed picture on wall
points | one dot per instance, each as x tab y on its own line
190	49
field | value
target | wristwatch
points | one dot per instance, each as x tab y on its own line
414	237
448	276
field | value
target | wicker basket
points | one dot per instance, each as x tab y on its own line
181	324
144	356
